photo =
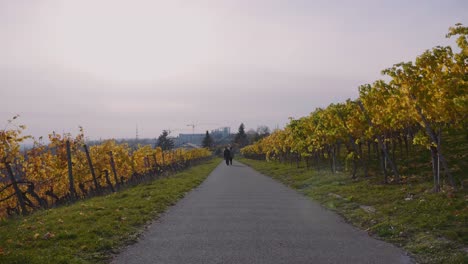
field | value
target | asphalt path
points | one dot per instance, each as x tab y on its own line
241	216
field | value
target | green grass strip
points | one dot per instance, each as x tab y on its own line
90	231
431	226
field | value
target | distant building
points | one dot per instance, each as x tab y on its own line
220	133
222	136
195	139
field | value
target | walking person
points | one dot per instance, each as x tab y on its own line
227	155
231	155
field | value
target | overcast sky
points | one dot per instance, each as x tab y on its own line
109	65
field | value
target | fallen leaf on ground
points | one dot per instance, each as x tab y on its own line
48	235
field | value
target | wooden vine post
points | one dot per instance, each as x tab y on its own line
18	193
70	171
91	167
114	171
106	174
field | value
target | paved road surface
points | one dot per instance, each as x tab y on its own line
241	216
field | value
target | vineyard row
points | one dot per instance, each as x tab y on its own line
67	169
420	102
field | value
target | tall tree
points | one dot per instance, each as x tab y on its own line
164	142
207	141
241	136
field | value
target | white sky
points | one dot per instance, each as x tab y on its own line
108	65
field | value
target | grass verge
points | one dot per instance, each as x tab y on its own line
89	231
431	227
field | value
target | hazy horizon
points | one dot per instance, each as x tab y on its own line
112	65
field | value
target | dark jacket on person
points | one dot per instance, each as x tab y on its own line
227	154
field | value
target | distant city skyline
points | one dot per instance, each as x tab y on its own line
112	65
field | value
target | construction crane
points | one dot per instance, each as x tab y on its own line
193	127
